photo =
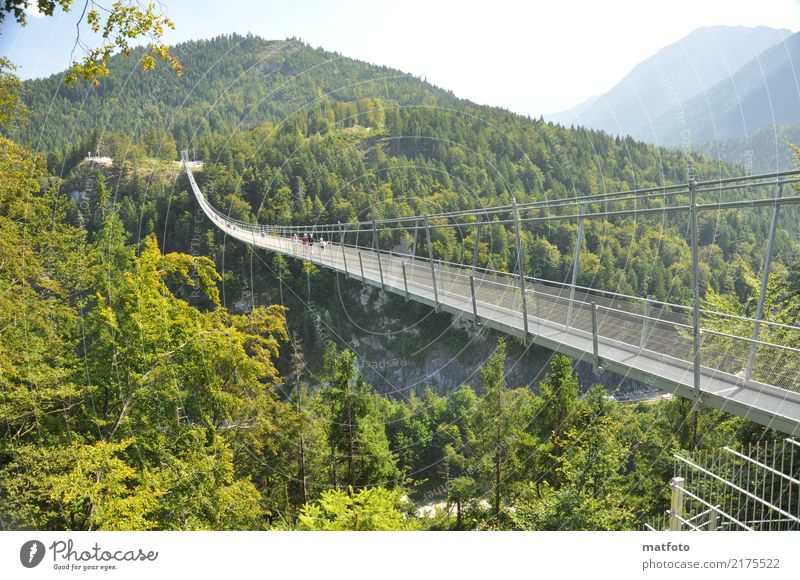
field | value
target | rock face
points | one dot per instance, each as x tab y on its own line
404	346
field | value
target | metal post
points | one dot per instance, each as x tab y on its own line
477	238
521	271
751	359
695	289
676	508
377	251
712	520
344	254
380	268
474	302
595	346
575	262
361	265
643	339
414	247
430	259
405	280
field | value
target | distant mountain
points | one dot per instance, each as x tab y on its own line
675	74
765	150
566	117
762	93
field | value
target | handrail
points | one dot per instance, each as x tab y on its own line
452	267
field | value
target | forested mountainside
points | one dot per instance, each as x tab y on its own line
765	150
134	398
230	83
235	84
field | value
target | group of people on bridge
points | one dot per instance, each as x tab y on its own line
308	243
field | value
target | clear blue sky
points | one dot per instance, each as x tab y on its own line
531	57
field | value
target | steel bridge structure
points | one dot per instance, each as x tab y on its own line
745	365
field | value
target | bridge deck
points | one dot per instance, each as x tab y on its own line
656	353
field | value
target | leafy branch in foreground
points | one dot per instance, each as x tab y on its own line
12	109
118	26
18	8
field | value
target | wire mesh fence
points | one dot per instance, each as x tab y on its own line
750	488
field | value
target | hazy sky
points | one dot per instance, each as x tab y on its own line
531	57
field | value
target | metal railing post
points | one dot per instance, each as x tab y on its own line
521	271
474	302
405	280
595	345
380	268
477	239
377	251
575	262
430	259
712	520
414	247
676	506
695	289
361	265
645	320
751	358
344	254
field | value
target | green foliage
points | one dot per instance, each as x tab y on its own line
495	422
12	110
571	509
359	446
462	495
41	266
125	407
373	509
17	8
559	394
588	488
120	25
79	487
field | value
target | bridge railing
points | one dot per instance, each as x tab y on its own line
654	326
759	351
748	488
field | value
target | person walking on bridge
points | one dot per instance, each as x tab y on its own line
305	242
295	241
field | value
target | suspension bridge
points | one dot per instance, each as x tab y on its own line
747	366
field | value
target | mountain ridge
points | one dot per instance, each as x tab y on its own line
659	84
763	92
